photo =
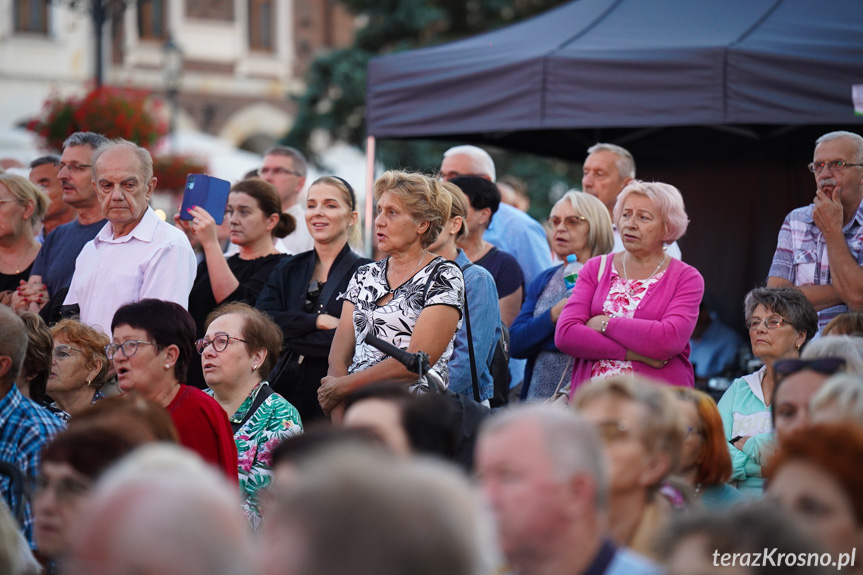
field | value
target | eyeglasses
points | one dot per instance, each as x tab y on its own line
770	322
62	351
569	221
129	348
694	431
11	200
278	172
66	490
612	430
822	365
219	342
835	166
74	166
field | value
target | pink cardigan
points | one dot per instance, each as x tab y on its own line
661	328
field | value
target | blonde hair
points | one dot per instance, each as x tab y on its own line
459	207
423	197
600	236
355	234
25	191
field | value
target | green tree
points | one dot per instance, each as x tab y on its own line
334	101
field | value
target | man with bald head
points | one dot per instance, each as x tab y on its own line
135	255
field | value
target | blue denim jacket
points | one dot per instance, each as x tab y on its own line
481	294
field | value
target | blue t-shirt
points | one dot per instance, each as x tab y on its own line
56	260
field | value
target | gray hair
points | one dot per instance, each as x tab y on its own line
389	517
298	158
600	236
570	441
845	391
13	342
42	160
171	501
91	139
145	160
625	162
482	160
855	138
788	302
847	347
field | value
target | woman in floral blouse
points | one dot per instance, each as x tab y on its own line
239	349
412	299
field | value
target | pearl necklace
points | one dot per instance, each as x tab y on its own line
626	276
409	274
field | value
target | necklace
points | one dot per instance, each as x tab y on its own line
409	274
24	258
626	276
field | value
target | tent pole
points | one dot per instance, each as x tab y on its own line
370	200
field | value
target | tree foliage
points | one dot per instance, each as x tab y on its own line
334	101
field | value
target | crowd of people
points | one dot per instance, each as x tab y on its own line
225	399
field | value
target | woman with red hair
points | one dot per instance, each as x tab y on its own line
815	475
705	464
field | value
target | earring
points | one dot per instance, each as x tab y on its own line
89	381
799	345
254	367
167	366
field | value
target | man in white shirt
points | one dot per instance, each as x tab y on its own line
607	170
135	255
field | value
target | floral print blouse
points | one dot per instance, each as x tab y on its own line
622	301
274	421
439	282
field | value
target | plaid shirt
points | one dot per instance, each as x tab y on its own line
24	429
801	253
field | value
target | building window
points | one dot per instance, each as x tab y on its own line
261	18
31	16
152	20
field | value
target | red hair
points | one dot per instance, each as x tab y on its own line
836	449
714	461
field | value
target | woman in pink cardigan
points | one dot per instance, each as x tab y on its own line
634	311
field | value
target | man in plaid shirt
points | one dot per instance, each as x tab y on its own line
24	426
820	247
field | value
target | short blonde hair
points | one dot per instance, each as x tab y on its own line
459	207
668	203
423	197
25	191
601	234
662	424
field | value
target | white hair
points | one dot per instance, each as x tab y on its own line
483	163
847	347
843	390
855	138
625	162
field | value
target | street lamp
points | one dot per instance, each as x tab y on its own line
172	76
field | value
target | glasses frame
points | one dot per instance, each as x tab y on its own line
277	171
73	167
565	221
822	365
10	200
112	348
753	324
203	343
63	353
66	490
835	166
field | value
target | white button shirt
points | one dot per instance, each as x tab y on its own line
154	260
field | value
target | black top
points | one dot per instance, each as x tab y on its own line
12	281
252	275
504	268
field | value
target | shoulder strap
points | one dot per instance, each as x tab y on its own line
603	259
473	373
337	272
263	393
431	276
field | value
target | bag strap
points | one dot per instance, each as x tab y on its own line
603	259
473	372
337	272
263	393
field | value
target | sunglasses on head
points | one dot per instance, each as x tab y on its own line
822	365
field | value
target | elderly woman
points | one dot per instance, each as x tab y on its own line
301	294
482	315
642	434
79	367
240	348
21	205
815	475
634	312
254	213
705	465
579	225
411	299
780	322
153	344
70	466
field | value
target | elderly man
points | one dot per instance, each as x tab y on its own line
511	230
25	427
52	271
44	174
820	246
607	170
135	255
542	472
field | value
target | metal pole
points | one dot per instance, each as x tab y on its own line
98	27
370	199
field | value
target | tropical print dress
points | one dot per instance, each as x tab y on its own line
274	421
622	301
439	283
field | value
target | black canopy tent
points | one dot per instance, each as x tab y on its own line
722	98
